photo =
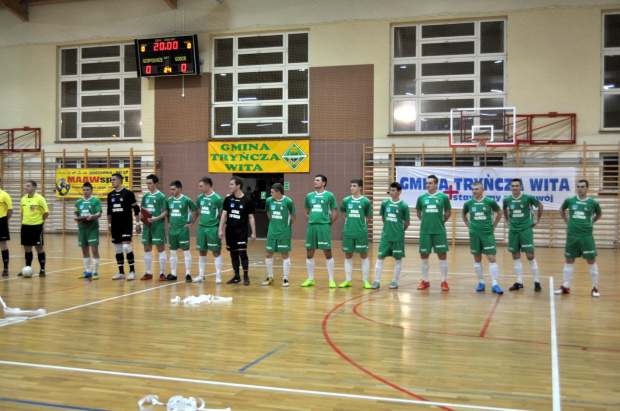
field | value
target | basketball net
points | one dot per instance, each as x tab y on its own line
481	142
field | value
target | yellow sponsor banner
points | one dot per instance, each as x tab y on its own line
290	156
69	181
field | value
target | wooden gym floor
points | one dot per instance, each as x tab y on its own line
103	345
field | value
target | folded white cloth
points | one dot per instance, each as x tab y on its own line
177	403
203	298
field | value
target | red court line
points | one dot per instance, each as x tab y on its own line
581	347
364	370
488	321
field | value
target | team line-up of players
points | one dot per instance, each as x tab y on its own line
231	216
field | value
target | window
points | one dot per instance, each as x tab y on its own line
260	86
99	93
609	166
437	67
610	89
445	160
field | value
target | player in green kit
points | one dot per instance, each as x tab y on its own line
481	238
433	209
209	208
518	210
583	212
281	213
87	214
395	215
156	203
181	217
357	210
321	211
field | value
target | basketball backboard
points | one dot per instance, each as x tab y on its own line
472	127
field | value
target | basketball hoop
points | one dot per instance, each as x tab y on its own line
481	141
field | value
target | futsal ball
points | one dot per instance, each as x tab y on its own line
27	272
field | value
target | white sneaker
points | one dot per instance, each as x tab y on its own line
119	276
218	279
285	283
131	276
199	279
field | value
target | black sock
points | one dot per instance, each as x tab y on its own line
245	262
41	257
5	258
130	261
120	261
234	256
29	257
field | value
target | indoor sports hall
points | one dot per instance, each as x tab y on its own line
280	91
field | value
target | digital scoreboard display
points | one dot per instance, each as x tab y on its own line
168	56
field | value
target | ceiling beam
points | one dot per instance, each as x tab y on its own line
171	3
17	7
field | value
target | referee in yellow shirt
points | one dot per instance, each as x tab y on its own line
6	211
34	212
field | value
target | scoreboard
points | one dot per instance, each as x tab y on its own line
168	56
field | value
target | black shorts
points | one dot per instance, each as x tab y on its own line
121	233
236	240
4	229
32	234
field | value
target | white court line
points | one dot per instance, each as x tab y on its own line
96	302
255	387
555	367
55	271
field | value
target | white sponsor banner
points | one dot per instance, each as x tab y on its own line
550	185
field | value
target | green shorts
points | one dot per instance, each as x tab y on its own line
155	234
319	237
179	239
355	245
395	249
88	236
278	246
522	241
207	239
582	246
482	244
438	243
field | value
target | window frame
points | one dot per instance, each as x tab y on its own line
605	52
237	69
80	109
419	60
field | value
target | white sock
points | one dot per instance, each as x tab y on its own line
202	264
188	261
518	270
534	269
87	264
95	265
163	260
478	271
330	268
365	268
593	273
443	268
424	268
148	261
348	269
218	266
286	263
310	268
398	265
269	265
174	259
567	274
378	269
494	270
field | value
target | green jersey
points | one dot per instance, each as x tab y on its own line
320	206
394	217
355	211
84	208
580	215
156	204
280	212
180	212
433	207
210	207
520	211
481	220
